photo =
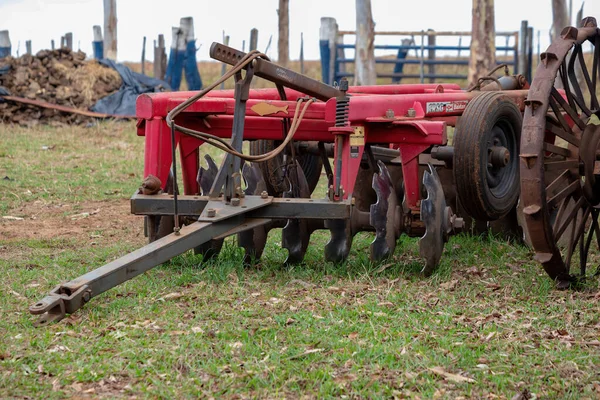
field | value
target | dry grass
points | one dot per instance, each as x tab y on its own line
487	325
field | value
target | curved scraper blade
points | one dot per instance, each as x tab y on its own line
253	241
295	235
338	247
433	210
383	215
206	177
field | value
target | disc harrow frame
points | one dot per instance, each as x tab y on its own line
398	133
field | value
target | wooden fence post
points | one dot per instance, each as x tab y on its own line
223	65
69	40
160	58
176	58
190	65
110	29
98	43
528	71
253	39
302	52
483	40
5	46
522	59
144	56
327	40
431	54
365	73
283	41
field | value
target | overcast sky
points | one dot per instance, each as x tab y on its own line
43	20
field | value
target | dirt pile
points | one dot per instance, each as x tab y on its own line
60	77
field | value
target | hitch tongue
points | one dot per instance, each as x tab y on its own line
54	307
51	308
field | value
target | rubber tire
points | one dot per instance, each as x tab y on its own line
471	136
311	165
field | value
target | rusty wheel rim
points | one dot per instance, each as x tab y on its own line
559	146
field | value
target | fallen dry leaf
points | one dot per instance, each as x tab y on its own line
450	376
449	285
11	218
171	296
383	268
353	335
307	352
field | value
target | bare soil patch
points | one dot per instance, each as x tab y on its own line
100	221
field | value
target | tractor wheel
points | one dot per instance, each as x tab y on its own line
560	152
486	156
272	172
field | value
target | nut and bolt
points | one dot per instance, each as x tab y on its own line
86	296
389	113
235	202
264	194
411	113
211	213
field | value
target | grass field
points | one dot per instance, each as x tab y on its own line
487	324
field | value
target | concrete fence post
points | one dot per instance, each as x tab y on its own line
98	43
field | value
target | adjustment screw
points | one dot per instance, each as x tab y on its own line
264	194
211	212
389	113
411	112
235	202
344	85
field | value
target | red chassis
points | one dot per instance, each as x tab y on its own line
410	118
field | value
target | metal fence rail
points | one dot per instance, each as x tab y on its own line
334	60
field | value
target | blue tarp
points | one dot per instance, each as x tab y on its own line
134	84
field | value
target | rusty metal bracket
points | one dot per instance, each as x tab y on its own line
54	307
70	296
217	210
274	73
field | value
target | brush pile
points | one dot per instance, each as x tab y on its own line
60	77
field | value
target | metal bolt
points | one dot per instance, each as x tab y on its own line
264	194
458	223
343	84
86	296
211	212
235	202
411	113
389	113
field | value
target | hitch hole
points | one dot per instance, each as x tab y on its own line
39	305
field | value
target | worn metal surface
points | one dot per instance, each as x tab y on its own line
70	296
434	215
384	215
554	202
274	73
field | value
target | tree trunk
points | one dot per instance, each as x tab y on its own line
560	17
483	40
365	73
110	29
283	42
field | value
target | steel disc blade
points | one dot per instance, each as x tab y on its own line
433	214
295	235
383	215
